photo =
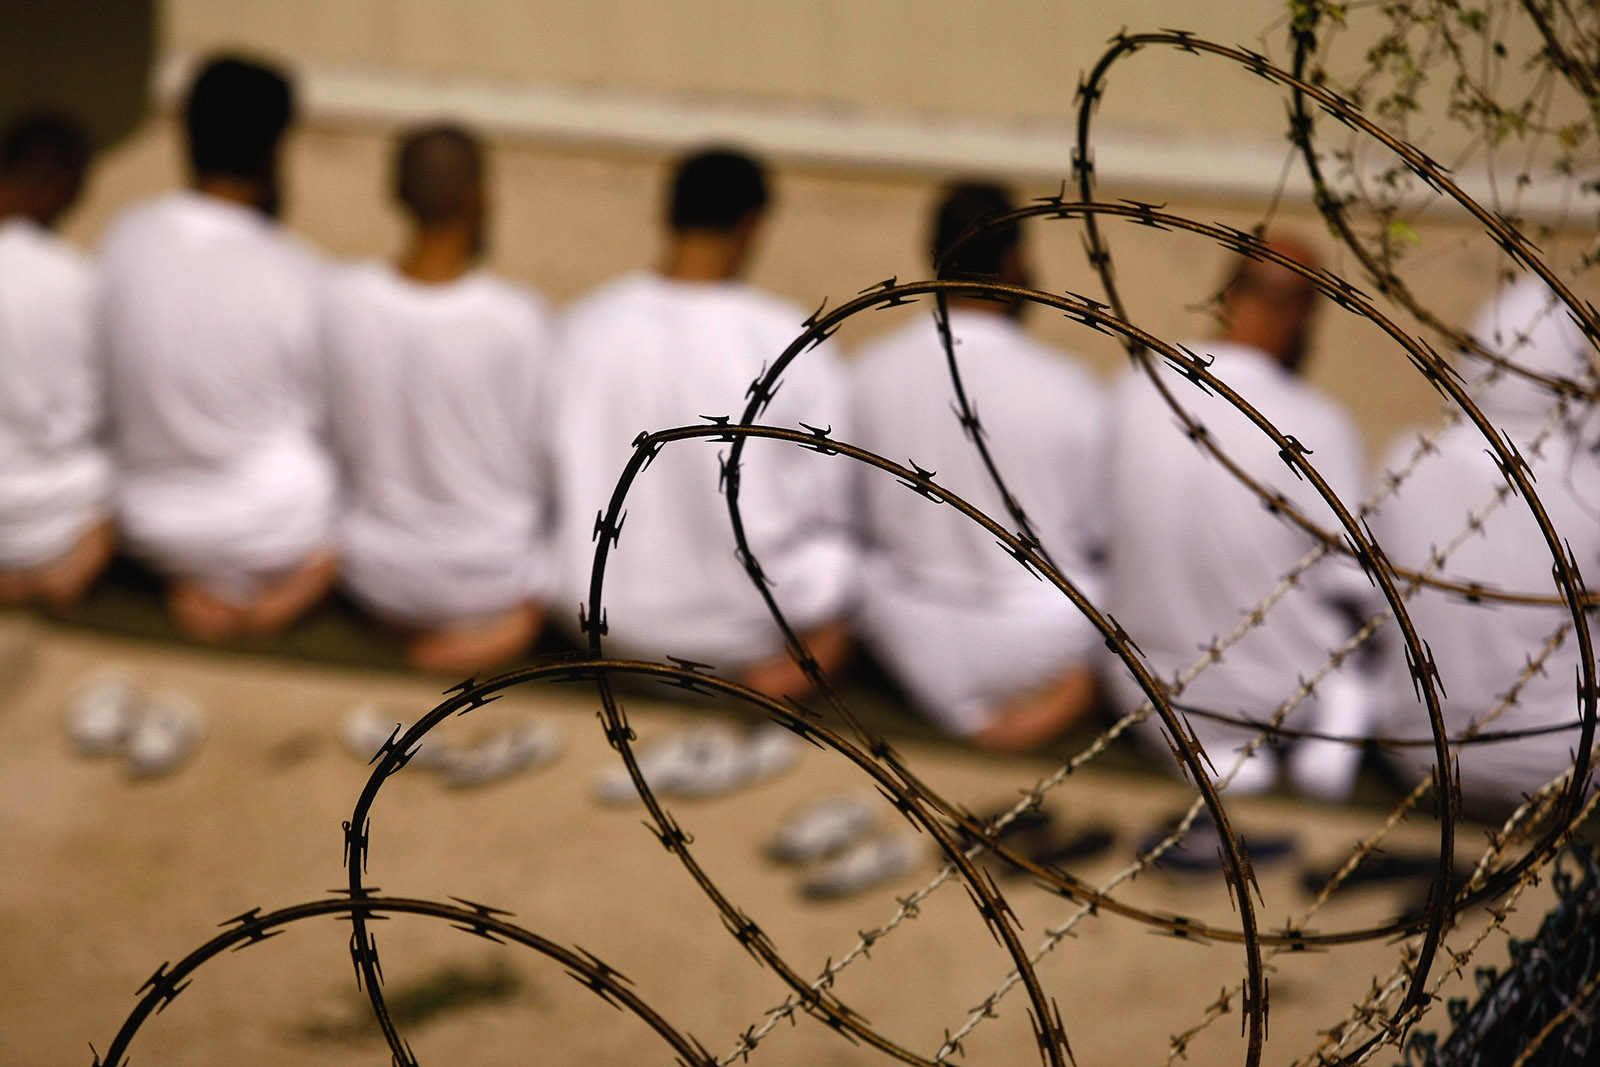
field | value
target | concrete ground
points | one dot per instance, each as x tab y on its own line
102	879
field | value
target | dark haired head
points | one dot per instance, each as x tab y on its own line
43	156
716	190
44	144
236	114
438	173
963	207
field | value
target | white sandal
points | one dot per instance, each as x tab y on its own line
823	827
368	727
703	761
165	736
502	754
868	863
102	712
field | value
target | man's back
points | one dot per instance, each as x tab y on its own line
647	353
1194	551
209	316
53	473
1482	650
211	323
1043	424
434	397
970	633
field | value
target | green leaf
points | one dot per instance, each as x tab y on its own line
1402	231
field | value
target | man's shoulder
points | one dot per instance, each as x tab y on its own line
1313	403
641	295
376	286
630	285
358	273
648	286
171	210
780	312
504	293
1296	406
359	283
883	364
1424	442
41	254
1246	369
1054	365
1000	349
279	248
157	227
1135	400
606	301
898	341
139	219
487	305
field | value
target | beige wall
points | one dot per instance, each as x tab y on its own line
998	58
572	215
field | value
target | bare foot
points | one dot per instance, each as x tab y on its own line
15	588
461	651
781	676
290	595
1029	721
777	678
63	583
202	616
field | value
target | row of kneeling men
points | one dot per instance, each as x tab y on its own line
257	426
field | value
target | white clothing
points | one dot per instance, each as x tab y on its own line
647	353
1482	649
1193	551
433	400
210	317
959	621
54	475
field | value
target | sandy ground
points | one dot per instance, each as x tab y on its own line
102	879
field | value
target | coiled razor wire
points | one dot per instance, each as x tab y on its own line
1516	856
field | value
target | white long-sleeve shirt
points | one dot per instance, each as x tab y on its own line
647	353
54	473
1193	550
433	401
960	622
1481	650
210	319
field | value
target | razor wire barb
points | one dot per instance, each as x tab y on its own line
1514	860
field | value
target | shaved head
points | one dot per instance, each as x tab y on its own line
1273	280
439	174
1268	306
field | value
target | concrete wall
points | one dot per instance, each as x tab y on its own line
999	58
